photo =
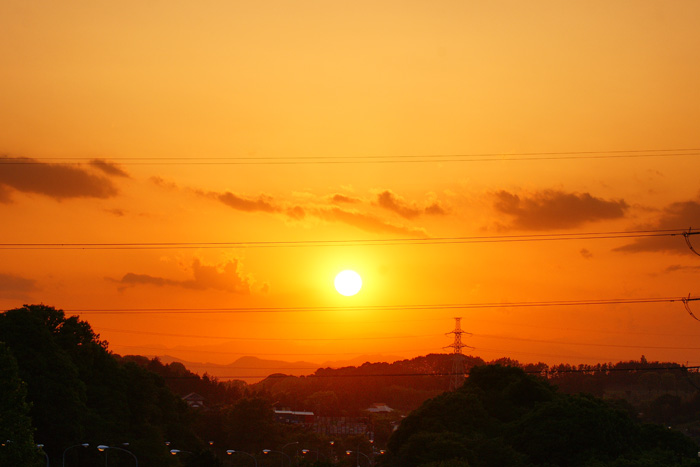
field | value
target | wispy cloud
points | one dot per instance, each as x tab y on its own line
16	287
390	201
678	215
363	221
226	277
262	203
367	222
5	194
553	209
57	181
394	203
343	199
681	268
109	168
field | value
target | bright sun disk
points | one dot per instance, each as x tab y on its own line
348	283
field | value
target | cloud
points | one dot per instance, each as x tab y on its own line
586	253
394	203
225	277
340	199
678	267
57	181
678	215
263	203
435	210
116	211
161	182
297	212
16	287
367	222
553	209
109	168
5	195
388	200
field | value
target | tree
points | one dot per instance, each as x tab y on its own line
16	431
502	416
79	393
54	388
249	425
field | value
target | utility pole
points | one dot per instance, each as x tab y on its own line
458	370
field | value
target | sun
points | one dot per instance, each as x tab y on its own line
348	283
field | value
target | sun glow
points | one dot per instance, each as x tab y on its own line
348	283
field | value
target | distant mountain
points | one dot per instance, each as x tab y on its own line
253	369
248	369
362	359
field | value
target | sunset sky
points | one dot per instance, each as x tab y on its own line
330	135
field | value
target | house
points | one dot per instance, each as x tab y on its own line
194	400
379	407
291	417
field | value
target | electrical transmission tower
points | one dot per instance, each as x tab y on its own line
458	370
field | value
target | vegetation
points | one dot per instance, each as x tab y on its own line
61	387
79	393
502	416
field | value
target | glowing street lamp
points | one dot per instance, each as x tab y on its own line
104	447
268	451
41	446
71	447
358	457
304	452
175	452
231	452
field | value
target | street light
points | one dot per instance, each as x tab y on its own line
358	457
175	452
268	451
104	447
71	447
231	451
304	452
41	446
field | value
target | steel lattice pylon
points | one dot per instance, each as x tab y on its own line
458	371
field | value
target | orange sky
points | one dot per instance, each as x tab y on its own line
316	121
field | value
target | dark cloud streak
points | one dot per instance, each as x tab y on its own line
263	203
226	278
109	168
368	222
553	209
13	286
57	181
684	214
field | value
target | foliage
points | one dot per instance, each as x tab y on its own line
502	416
16	432
182	381
79	393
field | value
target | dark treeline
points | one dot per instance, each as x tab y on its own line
502	416
61	387
658	392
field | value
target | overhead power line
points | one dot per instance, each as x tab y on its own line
402	159
548	372
280	339
162	350
445	306
355	242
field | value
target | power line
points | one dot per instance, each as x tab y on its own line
355	242
281	339
403	159
550	372
220	352
448	306
586	344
